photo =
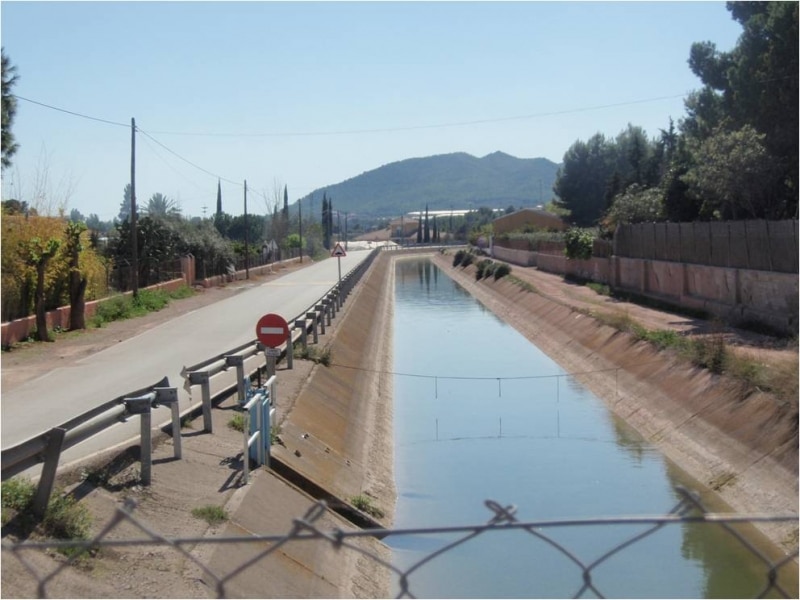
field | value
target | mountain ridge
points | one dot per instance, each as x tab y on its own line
455	180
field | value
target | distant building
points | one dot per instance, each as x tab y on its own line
530	219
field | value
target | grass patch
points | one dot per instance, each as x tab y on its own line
236	422
118	308
364	504
528	287
321	356
275	435
599	288
64	518
211	514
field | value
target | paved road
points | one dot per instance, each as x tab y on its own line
141	361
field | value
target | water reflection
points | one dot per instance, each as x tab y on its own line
481	413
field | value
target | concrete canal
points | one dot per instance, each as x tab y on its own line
482	414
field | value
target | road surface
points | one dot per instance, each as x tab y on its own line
50	400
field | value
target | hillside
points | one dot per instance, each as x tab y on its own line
459	181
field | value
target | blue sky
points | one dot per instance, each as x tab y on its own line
308	94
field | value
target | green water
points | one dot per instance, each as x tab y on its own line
482	414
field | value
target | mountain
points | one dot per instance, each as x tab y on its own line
458	181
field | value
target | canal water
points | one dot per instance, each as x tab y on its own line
482	414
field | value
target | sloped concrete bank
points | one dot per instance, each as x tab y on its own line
742	445
337	433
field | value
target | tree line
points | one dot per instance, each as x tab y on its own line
733	156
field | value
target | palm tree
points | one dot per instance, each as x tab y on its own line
159	206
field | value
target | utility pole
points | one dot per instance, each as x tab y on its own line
134	244
300	218
246	246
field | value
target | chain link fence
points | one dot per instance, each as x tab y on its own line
777	577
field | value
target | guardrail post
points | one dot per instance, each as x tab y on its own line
170	396
201	378
327	303
334	303
320	308
301	323
290	351
141	406
237	361
313	317
48	478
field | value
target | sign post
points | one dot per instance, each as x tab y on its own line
272	330
339	252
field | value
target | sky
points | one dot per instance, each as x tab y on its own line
310	94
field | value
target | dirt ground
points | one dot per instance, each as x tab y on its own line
211	476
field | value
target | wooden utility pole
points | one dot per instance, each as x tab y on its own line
134	243
246	246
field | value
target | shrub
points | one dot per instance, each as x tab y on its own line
578	243
458	257
17	495
467	259
481	268
64	518
316	354
501	270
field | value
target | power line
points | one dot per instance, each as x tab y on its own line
367	131
70	112
187	161
419	127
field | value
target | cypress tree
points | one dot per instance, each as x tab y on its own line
219	198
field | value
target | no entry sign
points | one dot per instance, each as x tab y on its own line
272	330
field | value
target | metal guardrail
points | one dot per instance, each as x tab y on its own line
311	321
47	447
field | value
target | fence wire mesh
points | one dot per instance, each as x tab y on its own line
777	576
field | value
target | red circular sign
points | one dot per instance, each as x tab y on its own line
272	330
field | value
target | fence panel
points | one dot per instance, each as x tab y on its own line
783	243
737	245
687	242
674	242
660	245
718	233
758	245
